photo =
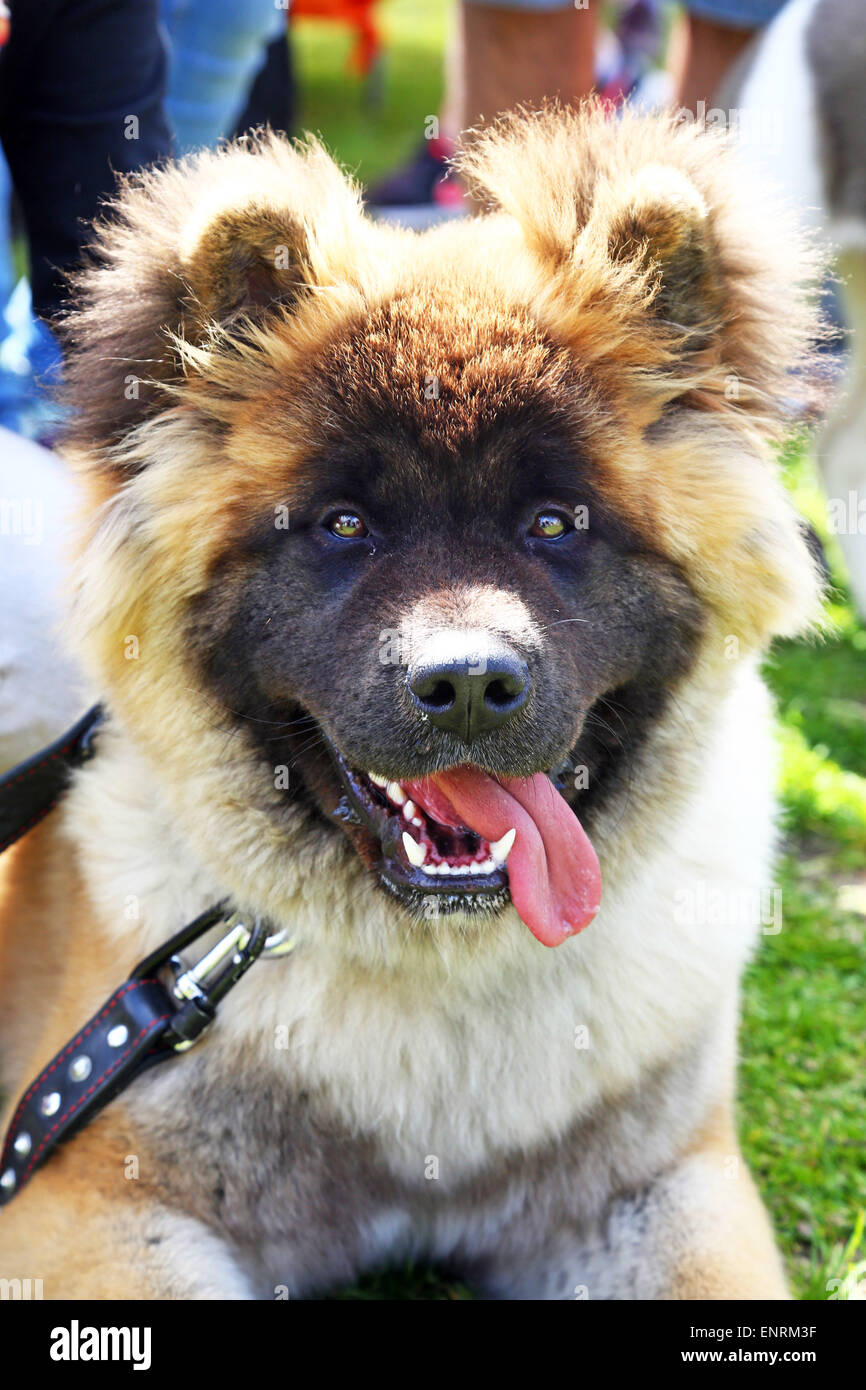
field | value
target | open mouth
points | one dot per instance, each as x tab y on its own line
474	841
423	842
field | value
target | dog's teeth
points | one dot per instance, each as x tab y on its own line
501	849
415	853
409	809
379	781
457	870
396	793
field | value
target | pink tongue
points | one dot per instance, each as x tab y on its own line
553	872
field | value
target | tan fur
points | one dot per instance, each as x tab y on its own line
734	1255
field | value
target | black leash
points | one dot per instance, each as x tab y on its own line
34	787
146	1020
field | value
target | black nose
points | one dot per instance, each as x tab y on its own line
469	695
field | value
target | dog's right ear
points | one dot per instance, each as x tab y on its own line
245	261
191	256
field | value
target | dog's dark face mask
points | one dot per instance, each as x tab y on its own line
447	645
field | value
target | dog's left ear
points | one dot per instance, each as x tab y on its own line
657	259
659	226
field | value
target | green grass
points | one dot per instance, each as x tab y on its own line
372	131
803	1038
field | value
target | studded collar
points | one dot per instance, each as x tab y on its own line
158	1012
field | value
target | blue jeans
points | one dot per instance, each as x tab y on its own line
71	77
738	14
216	48
81	99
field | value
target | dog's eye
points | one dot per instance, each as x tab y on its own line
347	525
549	525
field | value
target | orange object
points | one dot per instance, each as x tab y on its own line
358	15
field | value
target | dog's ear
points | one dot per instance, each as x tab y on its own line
657	258
660	224
189	260
245	261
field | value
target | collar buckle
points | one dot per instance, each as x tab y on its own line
200	987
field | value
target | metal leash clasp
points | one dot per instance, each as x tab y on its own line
200	987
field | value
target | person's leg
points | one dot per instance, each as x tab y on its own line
709	40
702	54
81	100
520	56
500	55
216	49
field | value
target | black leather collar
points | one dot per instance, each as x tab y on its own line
158	1012
103	1057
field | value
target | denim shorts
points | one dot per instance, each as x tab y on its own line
738	14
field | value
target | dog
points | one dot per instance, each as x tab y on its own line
424	581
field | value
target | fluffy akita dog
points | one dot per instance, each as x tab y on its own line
424	582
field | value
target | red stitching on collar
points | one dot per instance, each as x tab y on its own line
148	1028
118	994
